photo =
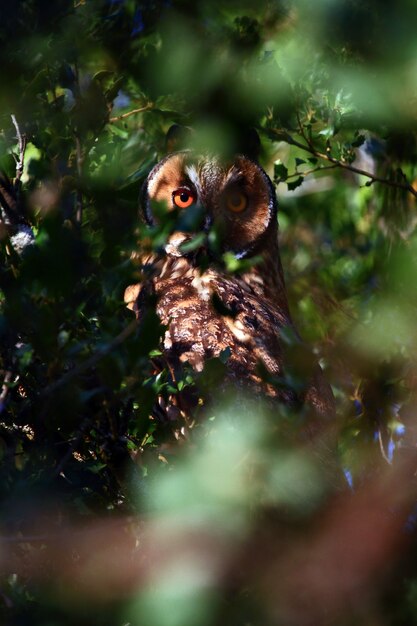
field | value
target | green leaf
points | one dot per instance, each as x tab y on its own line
295	183
327	132
225	354
193	243
280	171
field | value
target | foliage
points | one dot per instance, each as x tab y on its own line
105	516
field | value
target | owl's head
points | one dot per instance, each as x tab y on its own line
234	199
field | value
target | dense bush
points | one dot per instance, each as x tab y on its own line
107	517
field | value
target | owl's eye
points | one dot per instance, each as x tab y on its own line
183	198
236	201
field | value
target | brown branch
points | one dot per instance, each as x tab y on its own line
147	107
283	136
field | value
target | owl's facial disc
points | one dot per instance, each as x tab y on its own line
237	199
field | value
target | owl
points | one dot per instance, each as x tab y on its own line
223	216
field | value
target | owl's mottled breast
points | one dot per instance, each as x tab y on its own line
210	312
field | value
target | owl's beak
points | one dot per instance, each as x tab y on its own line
191	234
193	228
188	242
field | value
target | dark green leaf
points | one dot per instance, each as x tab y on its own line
280	172
295	183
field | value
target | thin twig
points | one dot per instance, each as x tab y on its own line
79	155
301	128
117	118
22	148
347	166
312	171
80	161
382	448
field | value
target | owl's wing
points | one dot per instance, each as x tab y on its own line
131	297
319	395
147	265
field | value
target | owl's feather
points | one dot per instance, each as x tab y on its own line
209	311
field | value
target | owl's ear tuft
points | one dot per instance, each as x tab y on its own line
177	138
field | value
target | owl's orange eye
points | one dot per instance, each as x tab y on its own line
236	201
183	198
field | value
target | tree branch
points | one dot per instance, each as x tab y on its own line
313	170
22	148
117	118
284	136
79	200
